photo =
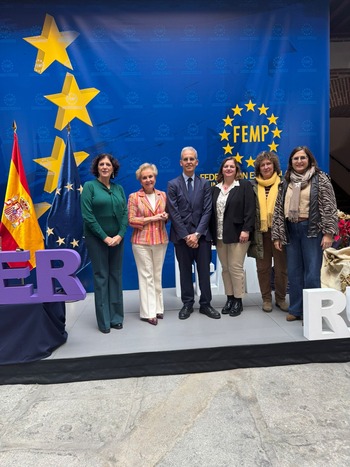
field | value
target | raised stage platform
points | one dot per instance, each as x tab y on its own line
198	344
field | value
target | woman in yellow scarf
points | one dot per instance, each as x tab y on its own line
267	169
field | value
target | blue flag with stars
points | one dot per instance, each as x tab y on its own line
64	225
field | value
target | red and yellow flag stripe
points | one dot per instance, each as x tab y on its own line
19	225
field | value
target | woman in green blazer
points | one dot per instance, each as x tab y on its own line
104	210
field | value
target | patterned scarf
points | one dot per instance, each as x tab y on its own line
267	204
297	183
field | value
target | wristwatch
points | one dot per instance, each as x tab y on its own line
198	235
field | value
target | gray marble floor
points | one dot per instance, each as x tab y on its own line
288	416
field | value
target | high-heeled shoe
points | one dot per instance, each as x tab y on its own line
153	321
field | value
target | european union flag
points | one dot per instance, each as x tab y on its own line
64	225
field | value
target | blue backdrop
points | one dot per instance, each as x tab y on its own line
226	76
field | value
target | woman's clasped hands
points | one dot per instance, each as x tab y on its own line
163	216
113	241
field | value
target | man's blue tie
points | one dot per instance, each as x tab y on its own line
190	188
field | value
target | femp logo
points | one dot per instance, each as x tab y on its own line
248	124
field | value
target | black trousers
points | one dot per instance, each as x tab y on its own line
186	256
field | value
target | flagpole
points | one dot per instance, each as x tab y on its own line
14	127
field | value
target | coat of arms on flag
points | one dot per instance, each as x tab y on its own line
16	210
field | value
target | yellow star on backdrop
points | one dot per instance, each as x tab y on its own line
41	208
263	109
54	162
238	158
224	135
72	102
228	120
80	156
272	119
237	110
75	243
276	133
250	106
51	45
250	162
273	146
228	149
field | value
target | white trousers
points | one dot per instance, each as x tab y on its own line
149	261
232	256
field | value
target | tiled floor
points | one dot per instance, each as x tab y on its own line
253	327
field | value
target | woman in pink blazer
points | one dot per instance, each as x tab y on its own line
147	216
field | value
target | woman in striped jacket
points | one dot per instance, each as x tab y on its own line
147	216
305	220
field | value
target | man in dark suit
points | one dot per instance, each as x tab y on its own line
189	204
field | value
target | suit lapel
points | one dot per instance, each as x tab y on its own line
145	202
233	193
158	199
184	189
197	189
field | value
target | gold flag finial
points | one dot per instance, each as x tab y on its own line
14	126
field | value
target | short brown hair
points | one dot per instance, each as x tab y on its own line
114	162
271	156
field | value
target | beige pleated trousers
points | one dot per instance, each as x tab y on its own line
149	261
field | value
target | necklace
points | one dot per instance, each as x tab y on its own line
226	187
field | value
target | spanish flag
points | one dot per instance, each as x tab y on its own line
19	227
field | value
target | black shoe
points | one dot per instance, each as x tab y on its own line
117	326
185	312
228	305
210	312
105	331
237	307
